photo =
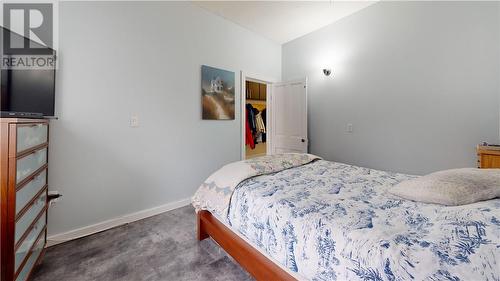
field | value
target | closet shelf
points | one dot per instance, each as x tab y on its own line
256	101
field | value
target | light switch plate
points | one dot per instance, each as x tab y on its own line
348	128
134	121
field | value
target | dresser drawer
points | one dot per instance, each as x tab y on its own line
28	266
489	161
31	135
24	222
30	163
23	250
26	193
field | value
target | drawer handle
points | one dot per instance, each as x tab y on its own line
36	125
36	177
38	150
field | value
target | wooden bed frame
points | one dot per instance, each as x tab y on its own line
258	265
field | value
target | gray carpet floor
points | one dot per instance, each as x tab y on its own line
162	247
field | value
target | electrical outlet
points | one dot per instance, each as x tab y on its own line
134	121
348	128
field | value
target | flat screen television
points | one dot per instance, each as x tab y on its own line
27	92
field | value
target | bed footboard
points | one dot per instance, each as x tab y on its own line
259	266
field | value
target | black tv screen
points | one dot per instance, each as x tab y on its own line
28	91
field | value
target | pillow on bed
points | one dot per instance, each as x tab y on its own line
451	187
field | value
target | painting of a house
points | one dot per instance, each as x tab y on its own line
217	92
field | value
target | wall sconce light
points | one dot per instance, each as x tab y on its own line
327	71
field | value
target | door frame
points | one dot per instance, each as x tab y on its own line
244	76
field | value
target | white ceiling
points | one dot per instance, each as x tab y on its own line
283	21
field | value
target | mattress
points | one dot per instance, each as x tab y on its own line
332	221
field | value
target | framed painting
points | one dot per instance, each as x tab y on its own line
217	93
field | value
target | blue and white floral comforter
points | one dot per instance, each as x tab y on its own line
331	221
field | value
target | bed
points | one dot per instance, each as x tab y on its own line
296	216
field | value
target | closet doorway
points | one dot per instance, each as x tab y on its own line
255	116
255	123
276	114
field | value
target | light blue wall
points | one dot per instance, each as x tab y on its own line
121	58
419	81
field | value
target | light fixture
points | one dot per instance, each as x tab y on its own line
327	71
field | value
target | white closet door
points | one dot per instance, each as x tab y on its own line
289	117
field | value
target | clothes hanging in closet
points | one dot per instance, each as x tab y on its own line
260	123
251	117
248	134
255	126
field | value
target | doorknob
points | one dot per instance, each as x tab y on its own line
303	140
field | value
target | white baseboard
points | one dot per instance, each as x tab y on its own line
98	227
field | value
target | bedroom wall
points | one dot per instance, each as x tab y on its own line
119	59
419	82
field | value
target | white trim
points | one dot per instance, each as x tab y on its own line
269	114
261	79
105	225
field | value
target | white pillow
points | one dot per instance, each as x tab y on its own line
451	187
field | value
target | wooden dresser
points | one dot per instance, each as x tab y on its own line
23	200
488	156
